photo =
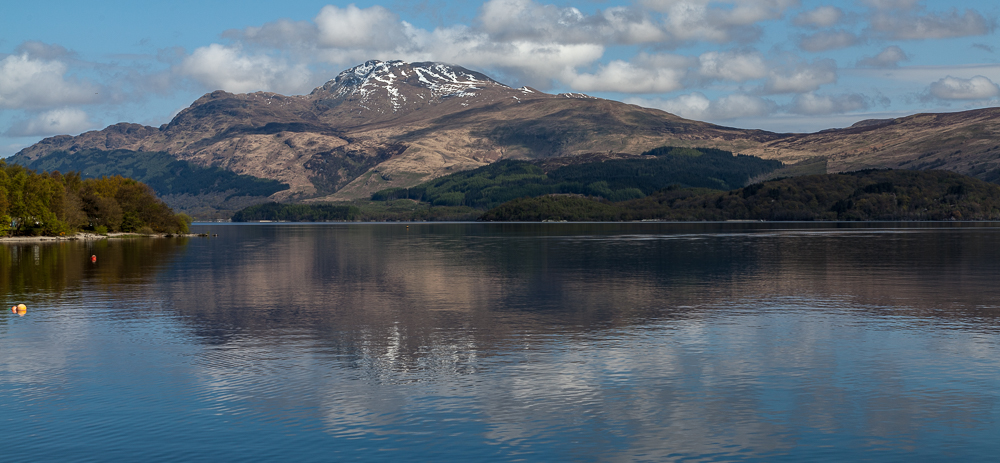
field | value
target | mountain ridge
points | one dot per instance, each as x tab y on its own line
385	124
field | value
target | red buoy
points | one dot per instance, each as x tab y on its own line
93	258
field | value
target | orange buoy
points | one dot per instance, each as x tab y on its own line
22	309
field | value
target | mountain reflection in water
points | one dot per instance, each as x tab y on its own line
506	341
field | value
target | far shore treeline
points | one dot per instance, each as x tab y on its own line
869	195
53	204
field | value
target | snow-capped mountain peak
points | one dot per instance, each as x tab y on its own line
396	86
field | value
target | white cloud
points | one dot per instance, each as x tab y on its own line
698	107
828	40
954	88
907	26
522	42
813	105
649	74
45	51
228	68
529	44
282	33
54	122
527	20
631	26
30	83
887	58
734	66
516	20
525	62
352	27
739	105
801	77
720	22
746	12
905	5
824	16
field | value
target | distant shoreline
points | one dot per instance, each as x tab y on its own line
94	237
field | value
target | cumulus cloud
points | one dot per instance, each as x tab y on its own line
905	5
899	25
801	77
720	22
352	27
699	107
45	51
824	16
887	58
813	105
648	74
524	62
631	26
282	33
228	68
527	20
27	82
954	88
828	40
734	66
521	42
55	122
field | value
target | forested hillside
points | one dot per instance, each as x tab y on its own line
183	185
296	213
614	180
863	195
52	204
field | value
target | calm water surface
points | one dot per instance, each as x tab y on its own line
538	342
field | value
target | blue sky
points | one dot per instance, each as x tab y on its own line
782	65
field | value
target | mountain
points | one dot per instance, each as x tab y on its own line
966	142
388	124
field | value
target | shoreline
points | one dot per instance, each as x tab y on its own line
95	237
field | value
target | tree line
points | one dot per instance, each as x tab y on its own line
52	204
614	180
296	213
163	172
855	196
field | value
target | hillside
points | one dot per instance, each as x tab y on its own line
612	179
861	195
392	124
205	192
966	142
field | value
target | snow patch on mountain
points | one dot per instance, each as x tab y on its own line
376	82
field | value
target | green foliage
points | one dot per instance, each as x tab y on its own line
614	180
561	207
55	204
296	213
865	195
161	171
